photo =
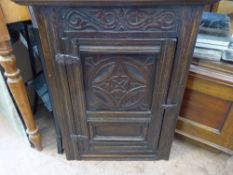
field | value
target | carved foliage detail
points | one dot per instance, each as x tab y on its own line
119	82
120	19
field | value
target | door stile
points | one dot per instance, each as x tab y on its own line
162	77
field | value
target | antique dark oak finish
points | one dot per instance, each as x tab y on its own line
117	72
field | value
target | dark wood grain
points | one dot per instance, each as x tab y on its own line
120	81
117	74
114	2
54	81
184	52
119	19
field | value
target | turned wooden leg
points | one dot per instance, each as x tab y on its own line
16	84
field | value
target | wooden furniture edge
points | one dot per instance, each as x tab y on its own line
115	2
220	76
16	84
205	142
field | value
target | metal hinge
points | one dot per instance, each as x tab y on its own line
168	106
78	137
68	52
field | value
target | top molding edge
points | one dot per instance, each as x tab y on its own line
114	2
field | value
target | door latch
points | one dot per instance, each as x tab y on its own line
68	52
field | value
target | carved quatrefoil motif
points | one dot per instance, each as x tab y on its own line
119	82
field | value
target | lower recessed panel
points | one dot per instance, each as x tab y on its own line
118	131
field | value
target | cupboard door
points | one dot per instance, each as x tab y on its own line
118	90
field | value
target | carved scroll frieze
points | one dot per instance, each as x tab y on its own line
119	19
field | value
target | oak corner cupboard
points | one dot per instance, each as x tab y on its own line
117	71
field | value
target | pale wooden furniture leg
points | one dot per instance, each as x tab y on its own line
16	84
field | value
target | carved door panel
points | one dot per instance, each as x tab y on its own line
118	90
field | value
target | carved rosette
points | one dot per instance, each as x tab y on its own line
119	19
